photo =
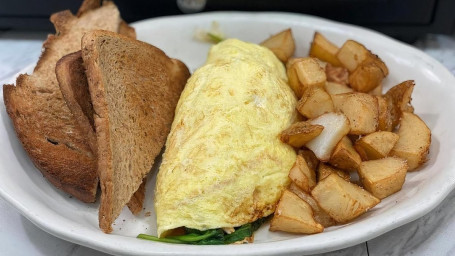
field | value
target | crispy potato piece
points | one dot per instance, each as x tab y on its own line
293	79
292	61
352	54
377	91
281	44
325	170
375	58
394	112
294	82
366	77
310	72
294	215
335	88
386	110
310	158
399	97
383	177
335	74
302	175
345	156
376	145
324	50
319	215
414	142
315	101
298	134
353	137
360	108
304	73
322	64
342	200
336	126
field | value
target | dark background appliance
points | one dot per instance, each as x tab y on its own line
403	19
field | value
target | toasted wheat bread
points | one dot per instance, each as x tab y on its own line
46	127
73	84
134	88
74	87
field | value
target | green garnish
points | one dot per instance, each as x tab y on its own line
156	239
211	236
215	38
194	237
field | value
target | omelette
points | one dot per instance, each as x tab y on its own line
224	164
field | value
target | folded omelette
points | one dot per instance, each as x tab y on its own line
224	164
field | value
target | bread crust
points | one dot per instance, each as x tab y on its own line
73	84
134	89
136	202
45	126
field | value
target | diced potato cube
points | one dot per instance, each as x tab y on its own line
335	74
376	145
342	200
383	177
298	134
292	61
335	88
325	170
385	109
323	49
351	54
336	126
414	142
321	63
375	58
366	77
320	215
302	175
281	44
400	97
310	72
360	108
294	82
377	91
345	156
315	101
294	215
310	158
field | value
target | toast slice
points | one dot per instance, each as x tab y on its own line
44	124
73	84
123	28
134	88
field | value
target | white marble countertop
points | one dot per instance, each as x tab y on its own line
433	234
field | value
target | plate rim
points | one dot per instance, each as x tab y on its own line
286	246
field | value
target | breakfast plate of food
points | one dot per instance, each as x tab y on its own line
233	133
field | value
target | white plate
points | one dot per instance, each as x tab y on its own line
23	186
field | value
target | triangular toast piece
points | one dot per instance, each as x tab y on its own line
134	88
73	83
41	118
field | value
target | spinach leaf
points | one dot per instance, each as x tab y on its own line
211	236
195	237
244	231
215	38
156	239
239	234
